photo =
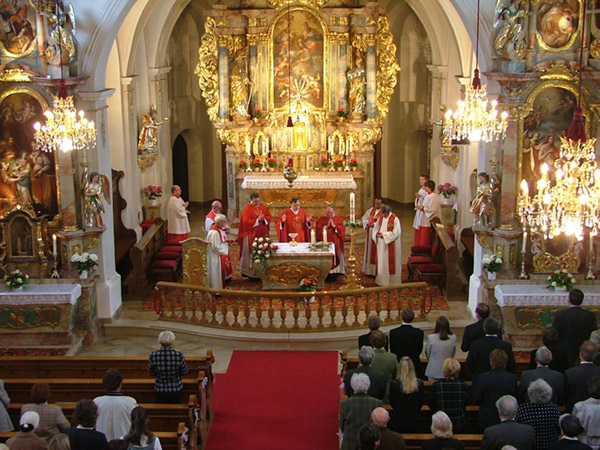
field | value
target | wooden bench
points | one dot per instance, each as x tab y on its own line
415	441
124	237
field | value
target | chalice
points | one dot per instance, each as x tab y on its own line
293	242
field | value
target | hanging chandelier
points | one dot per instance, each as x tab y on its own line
475	117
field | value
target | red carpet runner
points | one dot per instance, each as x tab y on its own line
276	401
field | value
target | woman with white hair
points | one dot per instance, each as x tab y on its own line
217	255
407	394
441	427
540	413
26	439
167	365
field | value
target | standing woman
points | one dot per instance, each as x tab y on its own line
407	393
139	436
167	365
5	422
441	345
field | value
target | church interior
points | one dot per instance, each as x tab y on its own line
265	178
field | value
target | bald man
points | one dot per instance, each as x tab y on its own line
388	440
215	208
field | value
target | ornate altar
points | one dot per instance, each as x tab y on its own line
304	84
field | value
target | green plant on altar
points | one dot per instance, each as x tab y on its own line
272	162
338	163
308	284
341	113
84	261
243	164
324	162
255	164
16	279
561	280
262	249
353	162
355	224
492	263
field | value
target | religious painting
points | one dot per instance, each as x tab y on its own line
18	38
549	119
557	22
298	60
27	175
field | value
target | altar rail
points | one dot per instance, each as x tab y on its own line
284	311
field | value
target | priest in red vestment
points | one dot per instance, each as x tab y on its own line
294	220
254	222
336	232
369	220
215	208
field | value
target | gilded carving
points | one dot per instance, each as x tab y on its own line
559	71
540	317
15	76
227	136
316	3
257	22
372	135
258	38
291	272
207	69
335	20
484	241
595	48
194	262
387	66
359	42
309	196
92	244
450	155
339	38
34	316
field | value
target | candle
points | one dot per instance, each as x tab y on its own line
524	241
324	235
54	252
313	236
248	146
351	143
290	162
268	148
347	146
352	211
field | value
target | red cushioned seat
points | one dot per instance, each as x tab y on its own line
430	268
172	248
164	264
421	249
174	240
162	255
420	259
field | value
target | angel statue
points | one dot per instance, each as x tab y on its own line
61	47
94	186
357	92
510	38
148	140
482	206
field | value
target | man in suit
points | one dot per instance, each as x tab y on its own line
574	325
407	340
377	383
383	361
556	380
576	377
571	428
508	432
388	439
475	331
373	322
478	359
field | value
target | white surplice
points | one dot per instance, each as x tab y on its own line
177	216
420	218
218	246
384	278
368	268
432	207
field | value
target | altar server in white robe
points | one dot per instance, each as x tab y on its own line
217	255
431	207
178	223
421	238
369	220
386	235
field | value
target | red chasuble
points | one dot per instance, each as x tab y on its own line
391	245
295	223
335	235
226	268
247	221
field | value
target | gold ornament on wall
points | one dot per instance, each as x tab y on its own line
207	69
387	66
315	3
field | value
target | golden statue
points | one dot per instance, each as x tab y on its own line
239	92
510	39
94	186
482	206
148	139
358	84
299	141
61	49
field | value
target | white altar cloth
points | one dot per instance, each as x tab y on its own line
539	295
36	294
302	248
270	181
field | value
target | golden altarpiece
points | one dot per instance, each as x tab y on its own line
305	84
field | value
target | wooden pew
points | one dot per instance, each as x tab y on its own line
142	256
415	441
124	237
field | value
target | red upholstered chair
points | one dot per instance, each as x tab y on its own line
161	267
421	250
431	271
417	260
172	248
167	256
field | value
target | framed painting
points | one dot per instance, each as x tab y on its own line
28	176
18	38
557	23
298	59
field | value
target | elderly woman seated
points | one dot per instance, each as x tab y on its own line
540	413
441	427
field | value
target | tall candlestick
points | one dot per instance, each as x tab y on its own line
54	252
248	147
268	148
524	241
324	235
313	236
352	210
347	146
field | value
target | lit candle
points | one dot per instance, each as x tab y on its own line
352	211
324	235
54	252
351	144
290	162
248	146
313	236
347	146
524	249
268	148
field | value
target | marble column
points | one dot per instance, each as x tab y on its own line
510	166
70	207
253	72
371	77
223	79
439	83
342	71
232	194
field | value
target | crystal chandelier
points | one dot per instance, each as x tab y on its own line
475	117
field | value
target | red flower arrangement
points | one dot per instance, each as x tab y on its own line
338	162
151	192
255	163
308	284
243	164
272	162
324	162
341	113
353	162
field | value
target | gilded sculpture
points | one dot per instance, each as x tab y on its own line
482	206
358	87
240	88
510	37
94	187
61	48
207	68
148	139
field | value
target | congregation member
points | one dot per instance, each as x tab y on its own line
441	345
52	419
369	437
588	413
407	395
556	380
386	237
550	341
574	325
335	231
508	431
356	411
5	422
215	208
478	359
84	436
26	439
217	256
383	361
571	429
177	217
114	408
475	331
451	395
369	219
167	365
490	386
294	220
431	211
441	428
254	223
388	439
377	385
540	413
139	437
374	323
576	377
407	340
595	338
59	442
421	237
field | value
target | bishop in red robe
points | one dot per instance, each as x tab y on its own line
254	222
336	232
294	220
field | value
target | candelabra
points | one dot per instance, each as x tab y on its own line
352	281
289	173
523	275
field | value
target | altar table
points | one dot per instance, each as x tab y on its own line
288	265
277	181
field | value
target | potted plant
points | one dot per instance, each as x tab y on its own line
324	162
255	164
16	280
262	248
84	262
341	114
272	163
354	163
447	190
152	193
493	264
561	280
243	165
338	164
308	284
256	115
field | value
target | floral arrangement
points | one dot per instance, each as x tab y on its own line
255	164
353	162
561	280
338	163
257	113
243	164
152	192
308	284
16	279
272	162
355	224
324	162
262	248
446	190
84	261
492	263
341	113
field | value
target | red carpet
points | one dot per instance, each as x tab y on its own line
276	401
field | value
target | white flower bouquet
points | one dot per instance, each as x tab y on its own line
492	263
262	248
84	261
561	280
16	279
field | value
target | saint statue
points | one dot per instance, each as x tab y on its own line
239	92
510	39
482	206
94	186
299	141
148	140
358	83
61	47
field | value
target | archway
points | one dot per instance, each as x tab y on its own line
180	165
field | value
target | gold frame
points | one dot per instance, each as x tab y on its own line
572	39
545	262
